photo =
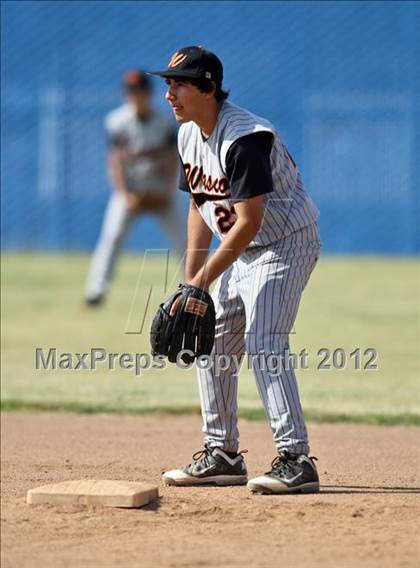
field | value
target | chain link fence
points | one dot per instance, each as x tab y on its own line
340	80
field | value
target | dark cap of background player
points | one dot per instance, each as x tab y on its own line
136	80
193	62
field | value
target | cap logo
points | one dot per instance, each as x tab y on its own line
176	59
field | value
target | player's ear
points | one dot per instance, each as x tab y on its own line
210	93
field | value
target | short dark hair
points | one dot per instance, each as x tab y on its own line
206	86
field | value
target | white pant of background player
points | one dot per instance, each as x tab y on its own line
117	222
256	302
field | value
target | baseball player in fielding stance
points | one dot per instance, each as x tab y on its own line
143	166
245	188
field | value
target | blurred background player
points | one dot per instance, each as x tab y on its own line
142	166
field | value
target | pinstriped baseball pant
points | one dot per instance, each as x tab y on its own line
116	225
256	302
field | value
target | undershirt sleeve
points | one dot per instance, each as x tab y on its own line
248	165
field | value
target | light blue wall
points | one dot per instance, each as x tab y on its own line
339	79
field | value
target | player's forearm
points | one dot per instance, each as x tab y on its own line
229	250
116	172
172	162
199	239
170	170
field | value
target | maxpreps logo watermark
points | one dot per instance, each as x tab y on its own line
326	359
52	360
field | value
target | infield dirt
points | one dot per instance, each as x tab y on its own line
367	513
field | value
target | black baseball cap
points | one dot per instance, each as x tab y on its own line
193	62
136	80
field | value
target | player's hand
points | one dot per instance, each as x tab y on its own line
147	202
129	156
133	202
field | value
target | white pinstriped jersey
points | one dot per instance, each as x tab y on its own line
128	132
286	209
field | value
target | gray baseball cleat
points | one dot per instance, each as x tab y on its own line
211	466
289	474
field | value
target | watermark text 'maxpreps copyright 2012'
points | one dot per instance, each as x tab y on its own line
97	357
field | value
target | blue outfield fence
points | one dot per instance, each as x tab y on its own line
340	80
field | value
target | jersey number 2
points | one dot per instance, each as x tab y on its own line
225	218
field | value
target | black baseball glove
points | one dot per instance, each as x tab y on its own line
191	328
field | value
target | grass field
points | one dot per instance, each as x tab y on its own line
350	303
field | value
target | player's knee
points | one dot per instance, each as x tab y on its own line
257	342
